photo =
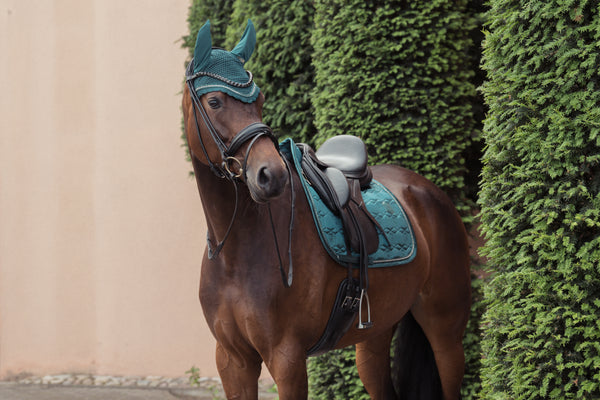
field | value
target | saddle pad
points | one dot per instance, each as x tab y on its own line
382	205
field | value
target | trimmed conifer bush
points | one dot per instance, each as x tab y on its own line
398	74
217	11
281	62
540	200
333	375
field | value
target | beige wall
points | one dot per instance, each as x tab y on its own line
101	231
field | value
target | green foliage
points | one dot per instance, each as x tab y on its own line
194	375
281	62
334	376
472	342
398	74
540	200
217	11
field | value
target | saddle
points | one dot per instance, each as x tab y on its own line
338	172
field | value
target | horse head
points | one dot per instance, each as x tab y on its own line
222	108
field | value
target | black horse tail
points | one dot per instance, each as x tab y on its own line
414	371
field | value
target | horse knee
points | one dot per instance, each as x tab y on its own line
238	374
287	366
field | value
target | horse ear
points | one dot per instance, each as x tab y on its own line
245	47
203	47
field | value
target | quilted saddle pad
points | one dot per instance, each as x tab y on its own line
397	246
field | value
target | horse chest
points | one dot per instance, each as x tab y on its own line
234	297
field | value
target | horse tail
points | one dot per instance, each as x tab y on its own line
414	370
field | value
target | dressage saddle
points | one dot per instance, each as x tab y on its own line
338	171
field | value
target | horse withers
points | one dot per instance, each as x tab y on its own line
246	191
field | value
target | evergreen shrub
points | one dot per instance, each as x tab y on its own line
281	62
399	75
401	103
333	375
540	200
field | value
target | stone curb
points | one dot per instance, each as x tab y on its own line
118	381
207	387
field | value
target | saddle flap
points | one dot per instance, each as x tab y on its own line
359	224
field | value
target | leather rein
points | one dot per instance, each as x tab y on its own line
251	134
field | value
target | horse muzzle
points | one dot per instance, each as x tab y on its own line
266	175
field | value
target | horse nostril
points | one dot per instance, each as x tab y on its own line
264	178
268	183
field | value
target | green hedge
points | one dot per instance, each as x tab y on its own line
333	375
540	200
217	11
398	74
281	62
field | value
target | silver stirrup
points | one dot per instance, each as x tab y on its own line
368	323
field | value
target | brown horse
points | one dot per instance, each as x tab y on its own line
253	316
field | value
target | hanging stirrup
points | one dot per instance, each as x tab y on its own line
368	323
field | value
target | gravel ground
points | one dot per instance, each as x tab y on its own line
95	387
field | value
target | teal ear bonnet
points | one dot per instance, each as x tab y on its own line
220	70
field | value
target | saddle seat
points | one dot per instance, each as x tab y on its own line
348	154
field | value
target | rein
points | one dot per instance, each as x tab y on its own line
251	134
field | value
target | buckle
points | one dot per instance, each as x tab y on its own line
228	169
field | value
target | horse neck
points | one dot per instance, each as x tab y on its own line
220	200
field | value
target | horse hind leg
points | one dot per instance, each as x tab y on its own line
373	363
445	336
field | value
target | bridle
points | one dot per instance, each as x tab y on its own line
251	134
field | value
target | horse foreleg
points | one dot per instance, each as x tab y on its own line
287	365
373	363
239	374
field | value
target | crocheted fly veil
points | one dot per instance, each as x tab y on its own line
221	70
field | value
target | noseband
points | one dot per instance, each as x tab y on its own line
250	134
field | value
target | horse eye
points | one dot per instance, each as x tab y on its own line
214	102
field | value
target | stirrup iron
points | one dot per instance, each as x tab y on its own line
368	323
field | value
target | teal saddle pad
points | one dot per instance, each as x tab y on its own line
396	247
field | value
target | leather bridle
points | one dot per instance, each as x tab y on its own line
251	134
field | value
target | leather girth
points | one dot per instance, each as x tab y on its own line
340	320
